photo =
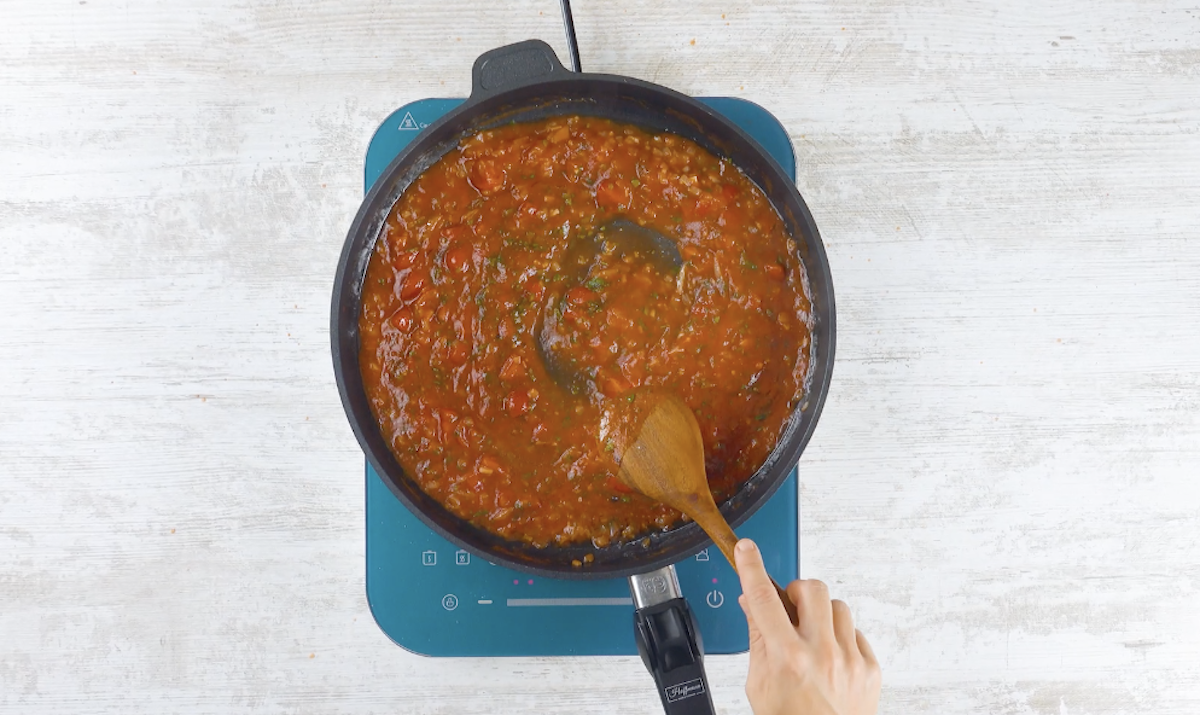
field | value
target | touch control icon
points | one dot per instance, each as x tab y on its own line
715	599
449	602
462	558
429	558
702	556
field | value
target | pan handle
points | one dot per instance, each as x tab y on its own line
512	66
668	640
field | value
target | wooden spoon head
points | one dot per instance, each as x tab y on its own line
660	451
630	240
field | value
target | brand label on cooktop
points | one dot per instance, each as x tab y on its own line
684	690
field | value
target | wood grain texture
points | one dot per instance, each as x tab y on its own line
1005	484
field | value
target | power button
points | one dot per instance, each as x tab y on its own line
715	599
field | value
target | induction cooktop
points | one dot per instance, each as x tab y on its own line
435	599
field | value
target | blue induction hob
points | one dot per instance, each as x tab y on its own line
434	599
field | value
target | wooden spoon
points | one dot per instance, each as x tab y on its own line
660	453
628	239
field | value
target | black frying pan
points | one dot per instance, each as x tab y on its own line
526	82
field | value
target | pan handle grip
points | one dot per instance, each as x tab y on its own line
668	640
512	66
669	643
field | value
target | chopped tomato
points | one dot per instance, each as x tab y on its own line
613	194
535	288
405	259
402	320
517	403
581	296
514	367
413	284
617	485
487	177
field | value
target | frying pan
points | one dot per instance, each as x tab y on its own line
526	82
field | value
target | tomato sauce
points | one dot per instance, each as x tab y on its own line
469	274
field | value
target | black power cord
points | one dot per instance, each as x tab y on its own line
569	25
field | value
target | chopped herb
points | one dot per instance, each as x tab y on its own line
635	183
610	446
598	284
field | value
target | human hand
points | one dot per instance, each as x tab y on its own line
823	666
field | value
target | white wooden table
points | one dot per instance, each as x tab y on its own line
1005	484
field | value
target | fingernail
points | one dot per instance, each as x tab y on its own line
746	546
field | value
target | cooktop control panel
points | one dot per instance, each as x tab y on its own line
433	598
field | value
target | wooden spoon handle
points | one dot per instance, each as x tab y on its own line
718	530
788	606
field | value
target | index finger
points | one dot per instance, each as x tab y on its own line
761	598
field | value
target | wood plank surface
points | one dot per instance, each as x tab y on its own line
1005	484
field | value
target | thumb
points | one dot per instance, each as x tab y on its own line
761	601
